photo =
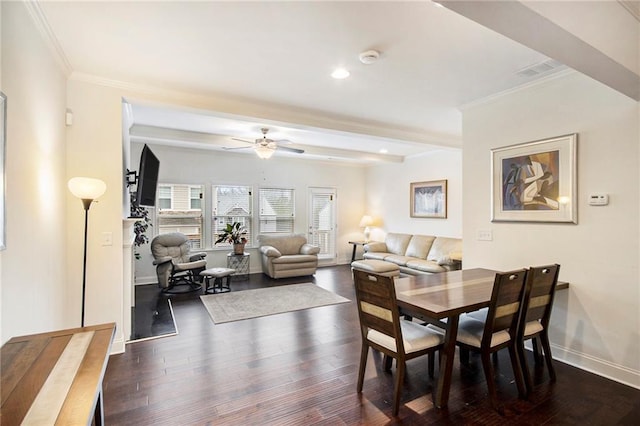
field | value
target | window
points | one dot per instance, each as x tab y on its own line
195	197
231	204
164	196
277	210
179	210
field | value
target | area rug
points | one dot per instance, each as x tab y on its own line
240	305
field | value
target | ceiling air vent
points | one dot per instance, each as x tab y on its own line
540	68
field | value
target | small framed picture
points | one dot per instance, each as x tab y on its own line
535	181
429	199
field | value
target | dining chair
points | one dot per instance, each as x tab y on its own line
534	322
498	330
383	330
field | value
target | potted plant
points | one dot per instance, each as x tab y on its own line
234	233
140	227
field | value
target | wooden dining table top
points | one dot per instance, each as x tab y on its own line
451	293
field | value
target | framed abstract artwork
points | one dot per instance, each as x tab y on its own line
429	199
535	181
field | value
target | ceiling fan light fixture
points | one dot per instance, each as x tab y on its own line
264	152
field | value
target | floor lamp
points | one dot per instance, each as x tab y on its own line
87	189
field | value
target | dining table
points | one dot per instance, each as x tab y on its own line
435	297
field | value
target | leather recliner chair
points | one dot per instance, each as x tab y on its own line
175	263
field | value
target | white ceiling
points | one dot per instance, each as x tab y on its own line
278	56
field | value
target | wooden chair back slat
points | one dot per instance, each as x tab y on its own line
505	306
377	306
540	290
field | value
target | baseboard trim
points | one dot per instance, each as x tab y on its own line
601	367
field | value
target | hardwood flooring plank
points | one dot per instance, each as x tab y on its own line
300	368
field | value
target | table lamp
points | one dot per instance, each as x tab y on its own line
365	223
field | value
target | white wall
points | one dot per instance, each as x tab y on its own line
595	323
189	166
34	295
387	188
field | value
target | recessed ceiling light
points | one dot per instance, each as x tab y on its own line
340	73
383	151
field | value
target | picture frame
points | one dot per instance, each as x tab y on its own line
3	150
429	199
535	181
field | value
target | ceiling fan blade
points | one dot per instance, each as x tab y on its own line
286	148
244	140
234	148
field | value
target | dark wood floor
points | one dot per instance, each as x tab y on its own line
300	368
151	316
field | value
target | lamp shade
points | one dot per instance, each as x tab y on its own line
264	152
86	188
366	221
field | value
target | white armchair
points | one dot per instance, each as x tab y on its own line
287	255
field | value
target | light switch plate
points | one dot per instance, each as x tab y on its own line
485	235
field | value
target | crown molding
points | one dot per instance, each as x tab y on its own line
633	7
43	27
538	82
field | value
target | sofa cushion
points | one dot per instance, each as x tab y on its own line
375	246
398	260
376	255
444	246
419	246
295	258
397	243
425	265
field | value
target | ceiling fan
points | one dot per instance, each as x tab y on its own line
265	147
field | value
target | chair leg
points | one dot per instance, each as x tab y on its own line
387	363
544	338
488	373
464	356
525	368
364	353
537	355
398	389
431	359
517	371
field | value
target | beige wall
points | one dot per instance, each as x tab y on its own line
35	295
388	194
596	323
188	166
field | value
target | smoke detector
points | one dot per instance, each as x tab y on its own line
369	57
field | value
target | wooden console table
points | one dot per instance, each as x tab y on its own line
55	378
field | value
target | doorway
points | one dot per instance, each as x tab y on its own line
322	222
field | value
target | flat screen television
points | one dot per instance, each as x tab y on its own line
147	178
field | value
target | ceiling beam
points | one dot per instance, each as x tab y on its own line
198	140
519	23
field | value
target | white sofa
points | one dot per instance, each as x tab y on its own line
417	254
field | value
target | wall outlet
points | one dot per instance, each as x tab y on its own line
485	235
